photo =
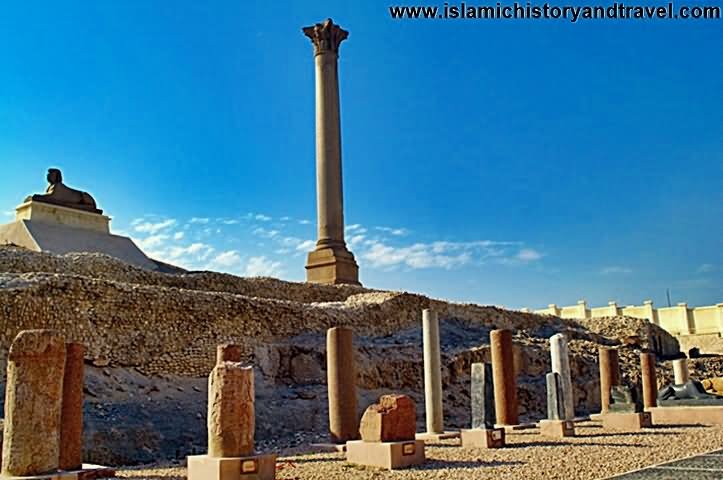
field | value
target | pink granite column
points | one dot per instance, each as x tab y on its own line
650	386
504	377
341	384
609	374
71	419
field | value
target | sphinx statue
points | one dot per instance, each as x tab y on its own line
58	193
690	393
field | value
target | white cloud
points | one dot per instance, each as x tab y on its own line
199	220
229	222
285	219
151	242
228	259
706	268
397	232
9	213
261	217
262	266
616	269
416	256
152	228
528	255
196	251
355	240
306	245
265	233
305	222
178	235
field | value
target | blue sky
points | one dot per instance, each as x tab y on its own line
516	163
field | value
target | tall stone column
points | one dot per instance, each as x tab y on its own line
331	262
609	374
341	384
231	420
432	372
650	385
680	371
504	377
33	403
561	364
71	425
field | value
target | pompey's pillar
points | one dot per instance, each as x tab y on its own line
330	262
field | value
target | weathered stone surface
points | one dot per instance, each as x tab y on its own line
624	399
432	372
71	428
341	380
231	420
560	359
680	371
555	406
609	374
33	402
504	378
228	352
392	419
483	396
713	385
647	373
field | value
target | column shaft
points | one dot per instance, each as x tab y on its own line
680	371
560	359
432	373
609	374
71	424
504	378
650	386
341	381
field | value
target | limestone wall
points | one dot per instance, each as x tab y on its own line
699	327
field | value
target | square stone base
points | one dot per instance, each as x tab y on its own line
332	266
389	455
88	472
436	437
630	422
257	467
687	415
557	428
483	438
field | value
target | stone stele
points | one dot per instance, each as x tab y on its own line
33	403
392	419
71	430
231	420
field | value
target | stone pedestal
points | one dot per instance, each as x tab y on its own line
87	472
557	428
483	438
228	353
71	424
432	373
629	422
687	415
560	360
609	374
341	382
504	379
257	467
330	262
57	214
389	455
33	403
680	371
650	385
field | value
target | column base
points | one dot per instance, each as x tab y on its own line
428	437
332	266
389	455
631	422
483	438
557	428
88	472
257	467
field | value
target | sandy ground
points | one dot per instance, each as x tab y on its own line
592	454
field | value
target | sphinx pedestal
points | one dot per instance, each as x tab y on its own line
628	422
257	467
687	415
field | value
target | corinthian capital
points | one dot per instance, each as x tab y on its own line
326	36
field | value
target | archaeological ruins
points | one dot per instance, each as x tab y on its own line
121	366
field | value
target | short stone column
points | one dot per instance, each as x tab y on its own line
504	378
33	403
341	384
228	352
609	374
680	371
650	386
432	372
231	420
71	425
561	365
483	396
555	425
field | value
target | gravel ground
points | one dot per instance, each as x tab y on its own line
592	454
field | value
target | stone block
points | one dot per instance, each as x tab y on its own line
428	437
557	428
257	467
389	455
630	422
687	415
393	419
332	267
483	438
